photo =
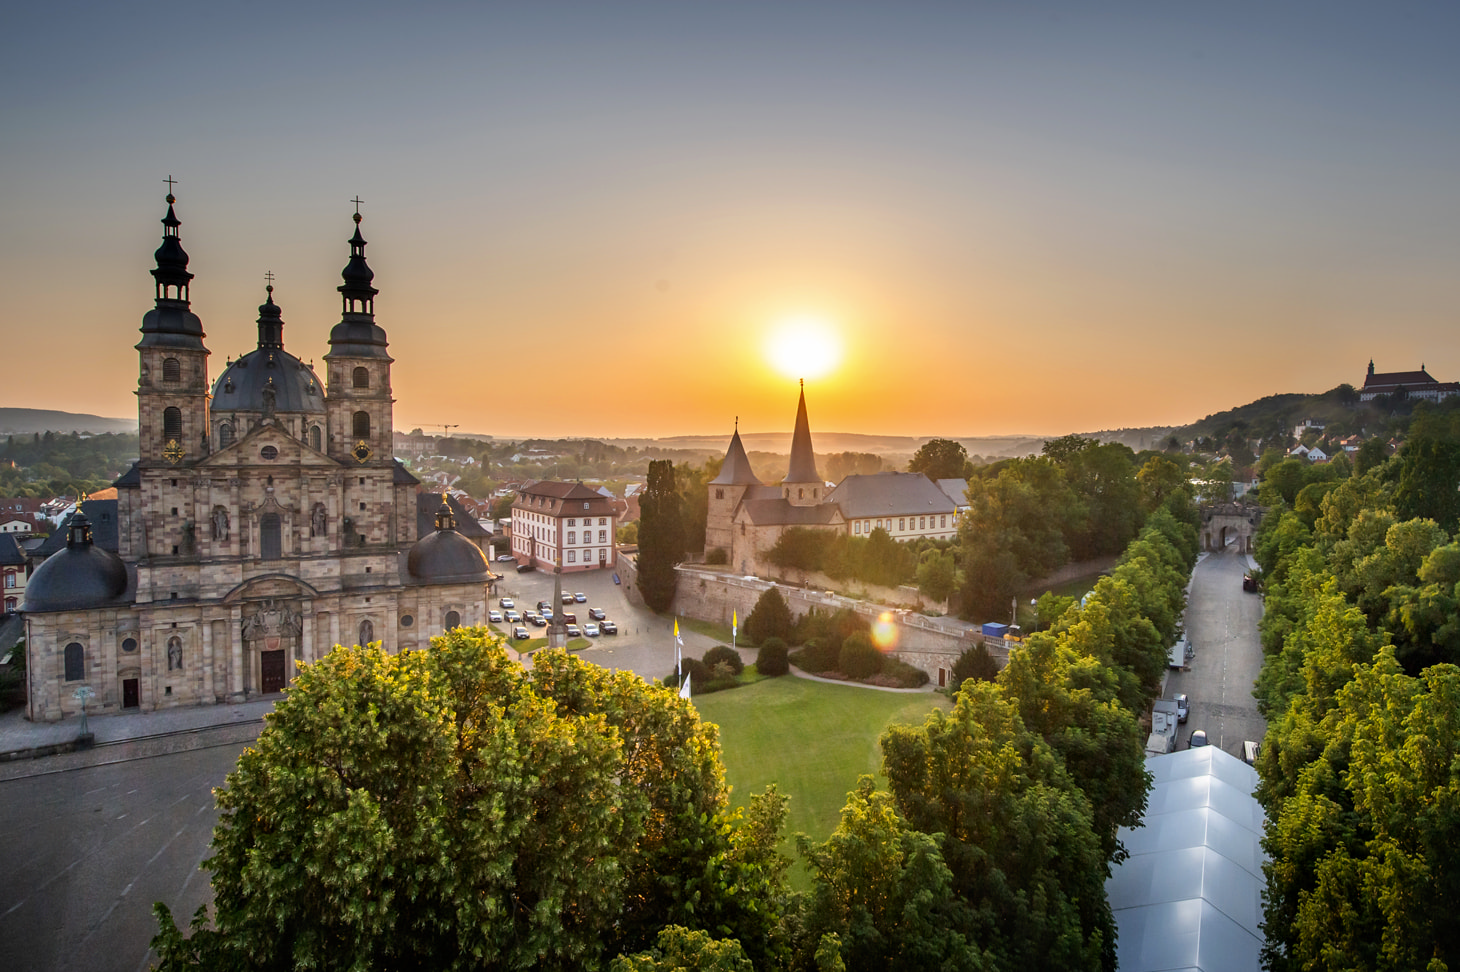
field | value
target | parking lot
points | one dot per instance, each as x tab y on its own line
644	643
1221	621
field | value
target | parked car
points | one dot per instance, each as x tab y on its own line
525	568
1249	583
544	607
596	614
1182	710
568	618
574	631
504	558
537	620
1198	738
580	597
1250	751
494	616
608	627
520	633
590	630
567	599
506	602
512	616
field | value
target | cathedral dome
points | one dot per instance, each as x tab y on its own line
445	556
79	577
243	384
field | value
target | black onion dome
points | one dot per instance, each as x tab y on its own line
445	556
357	335
170	324
357	273
79	577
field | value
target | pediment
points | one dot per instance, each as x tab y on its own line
270	587
249	451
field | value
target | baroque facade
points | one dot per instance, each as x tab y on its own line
264	522
563	526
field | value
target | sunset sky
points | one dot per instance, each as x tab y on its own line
592	218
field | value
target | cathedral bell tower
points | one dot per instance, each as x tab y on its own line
172	378
803	486
359	397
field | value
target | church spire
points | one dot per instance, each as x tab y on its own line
803	460
271	323
357	292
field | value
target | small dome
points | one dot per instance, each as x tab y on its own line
445	556
79	577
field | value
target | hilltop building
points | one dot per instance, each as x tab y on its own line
264	522
1406	384
746	517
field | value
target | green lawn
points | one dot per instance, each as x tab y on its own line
811	739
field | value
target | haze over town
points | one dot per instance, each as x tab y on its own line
605	218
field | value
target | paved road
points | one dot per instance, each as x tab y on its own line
88	851
1221	621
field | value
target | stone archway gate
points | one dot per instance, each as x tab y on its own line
1230	523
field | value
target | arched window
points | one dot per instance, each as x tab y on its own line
172	424
362	377
225	435
314	437
270	541
171	370
75	662
453	620
362	425
367	632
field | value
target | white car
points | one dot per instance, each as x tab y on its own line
512	616
504	558
505	603
590	630
494	616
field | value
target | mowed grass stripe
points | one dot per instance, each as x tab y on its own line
809	738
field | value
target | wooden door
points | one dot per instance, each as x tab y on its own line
129	693
271	670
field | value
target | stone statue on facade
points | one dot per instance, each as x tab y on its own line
272	619
316	521
220	523
174	654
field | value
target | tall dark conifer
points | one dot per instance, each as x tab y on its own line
661	536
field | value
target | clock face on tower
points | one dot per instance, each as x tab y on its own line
361	452
173	452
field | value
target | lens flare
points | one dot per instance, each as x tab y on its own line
884	632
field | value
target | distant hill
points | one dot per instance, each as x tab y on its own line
27	421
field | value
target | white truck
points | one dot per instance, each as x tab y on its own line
1164	721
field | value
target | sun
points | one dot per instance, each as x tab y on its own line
804	346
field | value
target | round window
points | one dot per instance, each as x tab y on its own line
129	645
406	620
269	452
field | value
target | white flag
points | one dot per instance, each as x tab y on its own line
684	689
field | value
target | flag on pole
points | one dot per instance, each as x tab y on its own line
684	690
734	623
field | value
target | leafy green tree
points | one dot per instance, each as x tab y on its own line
800	548
1015	832
1430	469
940	459
859	657
937	574
772	658
974	663
679	948
411	810
882	892
840	465
1158	479
661	536
770	618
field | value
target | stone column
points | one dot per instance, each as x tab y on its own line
205	668
235	669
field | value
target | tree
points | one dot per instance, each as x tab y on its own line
859	658
772	658
770	618
882	892
940	459
680	948
661	537
937	574
974	663
409	810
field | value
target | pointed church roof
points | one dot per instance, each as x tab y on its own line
803	461
735	471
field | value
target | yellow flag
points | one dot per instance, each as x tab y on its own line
734	619
676	627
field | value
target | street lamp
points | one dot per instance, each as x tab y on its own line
1034	603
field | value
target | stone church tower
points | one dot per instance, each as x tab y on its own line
802	485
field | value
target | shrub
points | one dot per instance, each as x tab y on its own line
897	673
724	655
859	658
695	670
816	657
772	660
771	617
717	556
975	663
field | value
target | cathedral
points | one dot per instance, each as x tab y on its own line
264	522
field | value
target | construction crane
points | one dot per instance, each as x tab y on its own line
446	429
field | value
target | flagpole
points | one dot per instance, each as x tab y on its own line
678	664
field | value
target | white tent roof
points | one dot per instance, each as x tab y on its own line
1189	895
